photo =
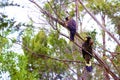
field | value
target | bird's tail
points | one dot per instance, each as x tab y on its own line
89	67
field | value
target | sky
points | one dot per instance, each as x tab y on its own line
20	15
30	11
23	14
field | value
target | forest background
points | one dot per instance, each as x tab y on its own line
35	45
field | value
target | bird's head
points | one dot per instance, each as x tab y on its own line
89	40
67	18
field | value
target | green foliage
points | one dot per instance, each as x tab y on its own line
3	42
51	46
117	49
93	36
7	3
5	22
58	44
44	52
39	43
116	60
72	13
8	26
60	8
109	8
16	66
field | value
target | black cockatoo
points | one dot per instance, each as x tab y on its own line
87	53
71	25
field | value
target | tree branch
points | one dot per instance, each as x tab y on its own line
106	67
61	22
111	35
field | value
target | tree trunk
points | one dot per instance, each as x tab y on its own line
106	76
76	3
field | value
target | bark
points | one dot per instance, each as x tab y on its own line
76	3
104	47
103	33
105	66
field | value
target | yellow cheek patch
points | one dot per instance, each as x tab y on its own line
69	17
85	39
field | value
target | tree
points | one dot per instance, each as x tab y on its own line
54	18
12	64
47	52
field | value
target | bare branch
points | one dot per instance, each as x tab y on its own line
111	35
61	22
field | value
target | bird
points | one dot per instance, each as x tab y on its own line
71	25
87	53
